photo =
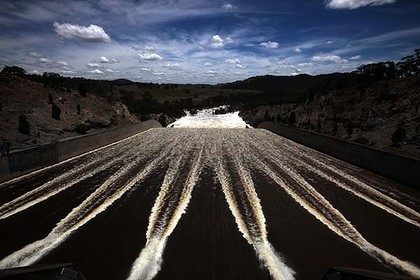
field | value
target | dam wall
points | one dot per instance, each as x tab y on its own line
399	168
26	160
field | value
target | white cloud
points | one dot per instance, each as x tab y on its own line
232	61
227	6
356	57
144	69
329	58
173	66
149	56
158	73
91	33
354	4
207	64
270	45
150	48
92	65
110	71
67	72
104	59
34	72
217	42
44	60
329	42
298	50
96	72
305	65
35	54
240	66
62	63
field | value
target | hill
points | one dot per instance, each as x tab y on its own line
383	115
279	89
31	113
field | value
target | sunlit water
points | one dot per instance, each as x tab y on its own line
207	118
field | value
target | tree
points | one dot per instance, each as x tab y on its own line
400	135
13	70
292	119
55	112
82	89
349	128
24	126
52	80
162	120
410	65
335	128
380	70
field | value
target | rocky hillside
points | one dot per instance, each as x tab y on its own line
31	113
384	115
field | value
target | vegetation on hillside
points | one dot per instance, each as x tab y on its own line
379	106
377	103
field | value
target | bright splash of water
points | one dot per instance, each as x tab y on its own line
207	118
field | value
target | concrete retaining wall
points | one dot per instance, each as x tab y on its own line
402	169
24	161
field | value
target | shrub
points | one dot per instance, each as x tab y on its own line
50	98
81	128
82	89
399	136
13	70
362	140
55	111
24	126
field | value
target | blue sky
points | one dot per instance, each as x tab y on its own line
204	41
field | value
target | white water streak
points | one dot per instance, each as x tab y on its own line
367	193
253	231
148	264
322	210
52	187
392	206
13	181
79	216
164	194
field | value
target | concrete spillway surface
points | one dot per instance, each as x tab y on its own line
208	203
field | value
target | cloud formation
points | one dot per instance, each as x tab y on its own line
329	58
270	45
90	34
62	63
35	54
173	66
104	59
44	60
186	38
227	6
96	72
354	4
217	42
92	65
232	61
149	56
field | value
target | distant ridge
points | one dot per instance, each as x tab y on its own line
297	88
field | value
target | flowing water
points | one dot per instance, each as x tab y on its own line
240	161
